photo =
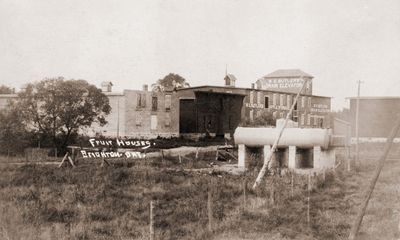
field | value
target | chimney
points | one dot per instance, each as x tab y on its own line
252	86
106	86
145	87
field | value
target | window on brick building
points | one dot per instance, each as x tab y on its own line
153	122
316	121
167	120
258	97
321	122
308	86
266	102
167	102
141	100
138	120
154	103
289	101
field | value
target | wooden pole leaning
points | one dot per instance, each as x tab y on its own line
364	204
265	166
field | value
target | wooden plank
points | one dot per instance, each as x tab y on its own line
63	160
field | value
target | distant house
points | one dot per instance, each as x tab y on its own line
5	98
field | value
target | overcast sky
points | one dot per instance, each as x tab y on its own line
131	43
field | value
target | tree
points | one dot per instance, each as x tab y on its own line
265	119
5	90
14	135
59	108
170	82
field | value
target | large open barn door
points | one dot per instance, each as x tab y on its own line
187	116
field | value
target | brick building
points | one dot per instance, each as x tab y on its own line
376	115
140	113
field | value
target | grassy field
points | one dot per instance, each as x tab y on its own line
90	202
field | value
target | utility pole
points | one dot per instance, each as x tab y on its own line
357	118
118	119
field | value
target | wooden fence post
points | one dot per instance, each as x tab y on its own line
151	220
308	200
209	208
244	194
348	157
272	194
292	185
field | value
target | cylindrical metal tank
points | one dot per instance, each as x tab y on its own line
300	137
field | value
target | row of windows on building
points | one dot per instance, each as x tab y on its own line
284	100
305	119
154	123
141	102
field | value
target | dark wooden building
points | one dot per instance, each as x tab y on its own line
209	110
376	115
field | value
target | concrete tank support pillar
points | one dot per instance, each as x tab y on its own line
292	157
242	156
328	158
267	152
317	157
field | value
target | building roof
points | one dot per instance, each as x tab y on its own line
219	92
374	97
240	88
106	83
288	73
231	77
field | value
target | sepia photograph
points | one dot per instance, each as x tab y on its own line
199	119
